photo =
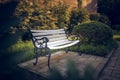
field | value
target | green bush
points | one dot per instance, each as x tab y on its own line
26	36
88	73
93	32
98	17
99	50
116	27
77	16
94	16
104	19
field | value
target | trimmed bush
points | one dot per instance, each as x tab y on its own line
116	32
99	17
94	16
93	32
104	19
116	27
99	50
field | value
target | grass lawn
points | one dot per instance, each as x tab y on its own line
12	52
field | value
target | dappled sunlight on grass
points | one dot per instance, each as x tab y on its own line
116	37
20	46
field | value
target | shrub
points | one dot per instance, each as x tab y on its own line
77	16
88	73
104	19
116	27
26	36
94	16
99	17
72	72
99	50
93	32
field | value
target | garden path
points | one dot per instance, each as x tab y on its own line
112	69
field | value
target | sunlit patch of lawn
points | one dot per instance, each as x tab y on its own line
116	37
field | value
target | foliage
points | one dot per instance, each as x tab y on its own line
56	75
116	32
61	12
104	19
116	27
7	18
34	17
93	32
46	1
77	16
99	49
94	16
98	17
88	73
73	73
46	17
14	55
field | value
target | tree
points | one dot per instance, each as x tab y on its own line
79	3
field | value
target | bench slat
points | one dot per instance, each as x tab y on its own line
51	36
64	46
57	42
57	38
45	31
48	33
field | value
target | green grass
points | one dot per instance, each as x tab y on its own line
13	51
116	32
116	37
99	50
14	55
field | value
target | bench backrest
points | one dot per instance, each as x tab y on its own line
54	36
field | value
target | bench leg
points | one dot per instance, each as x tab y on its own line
67	49
49	57
36	56
79	49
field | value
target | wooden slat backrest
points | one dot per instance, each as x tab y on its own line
54	36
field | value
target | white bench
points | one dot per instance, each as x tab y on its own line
50	39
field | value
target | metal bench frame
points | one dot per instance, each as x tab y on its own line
50	39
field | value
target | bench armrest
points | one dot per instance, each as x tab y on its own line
43	40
